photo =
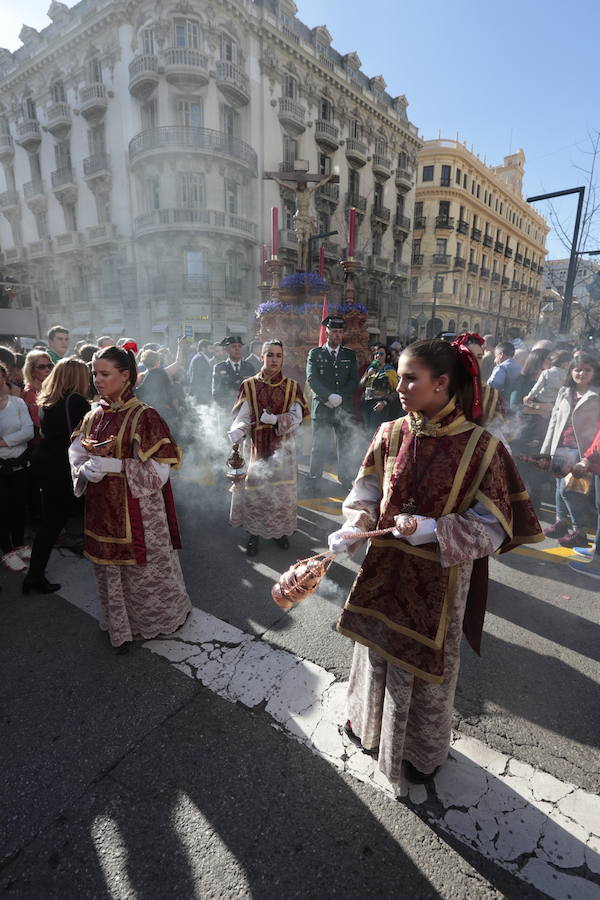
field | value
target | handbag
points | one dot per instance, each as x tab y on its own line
582	485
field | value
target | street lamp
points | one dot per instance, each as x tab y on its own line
565	319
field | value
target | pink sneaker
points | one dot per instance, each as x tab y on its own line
13	562
558	530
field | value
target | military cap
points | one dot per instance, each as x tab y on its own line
231	339
334	322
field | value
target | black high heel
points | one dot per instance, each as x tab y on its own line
39	585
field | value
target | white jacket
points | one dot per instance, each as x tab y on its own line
584	417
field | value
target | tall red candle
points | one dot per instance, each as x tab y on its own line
274	231
264	275
321	262
351	231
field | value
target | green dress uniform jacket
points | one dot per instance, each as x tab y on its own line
327	377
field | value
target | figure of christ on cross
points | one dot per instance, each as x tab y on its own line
305	225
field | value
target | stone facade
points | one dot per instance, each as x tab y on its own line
478	246
134	138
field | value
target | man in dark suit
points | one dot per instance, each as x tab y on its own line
332	374
229	374
200	374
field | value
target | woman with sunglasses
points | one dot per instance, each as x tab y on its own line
38	366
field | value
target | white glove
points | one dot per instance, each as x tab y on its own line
337	543
268	418
425	533
334	400
108	463
91	471
330	405
236	435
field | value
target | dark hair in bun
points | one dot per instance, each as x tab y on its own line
124	361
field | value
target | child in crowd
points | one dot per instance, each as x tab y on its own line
550	380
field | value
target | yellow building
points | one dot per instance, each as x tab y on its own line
478	247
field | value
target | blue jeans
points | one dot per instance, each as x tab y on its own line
570	504
597	487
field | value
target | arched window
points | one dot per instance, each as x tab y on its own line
229	48
356	129
290	87
57	92
380	146
192	190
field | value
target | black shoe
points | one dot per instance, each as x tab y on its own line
252	545
282	542
347	729
417	777
39	585
122	649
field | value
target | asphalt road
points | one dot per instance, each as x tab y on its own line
122	778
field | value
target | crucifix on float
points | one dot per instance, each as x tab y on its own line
299	180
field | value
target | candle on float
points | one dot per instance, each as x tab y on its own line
322	262
264	274
351	231
274	231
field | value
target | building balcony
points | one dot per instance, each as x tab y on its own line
444	222
329	192
355	200
29	134
9	200
35	191
505	281
488	240
331	249
64	184
475	234
381	213
399	269
420	223
39	249
404	179
356	151
401	226
382	166
530	290
462	227
97	166
473	268
169	138
327	134
292	115
58	120
212	221
185	67
68	242
93	101
459	262
484	273
195	285
495	276
508	252
527	262
515	286
519	259
441	259
233	83
101	234
14	255
7	147
417	259
287	239
143	75
523	287
499	247
378	263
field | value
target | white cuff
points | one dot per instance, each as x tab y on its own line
109	464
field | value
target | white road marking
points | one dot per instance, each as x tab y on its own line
525	820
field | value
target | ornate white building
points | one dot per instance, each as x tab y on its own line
134	137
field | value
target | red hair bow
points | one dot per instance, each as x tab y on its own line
470	365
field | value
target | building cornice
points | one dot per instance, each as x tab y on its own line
461	152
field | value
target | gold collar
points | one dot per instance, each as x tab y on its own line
455	422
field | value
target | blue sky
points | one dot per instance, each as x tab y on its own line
504	75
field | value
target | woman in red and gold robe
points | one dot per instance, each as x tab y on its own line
121	457
454	496
269	409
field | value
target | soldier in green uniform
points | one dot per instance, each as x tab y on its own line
332	373
228	375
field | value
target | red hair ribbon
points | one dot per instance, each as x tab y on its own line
470	365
